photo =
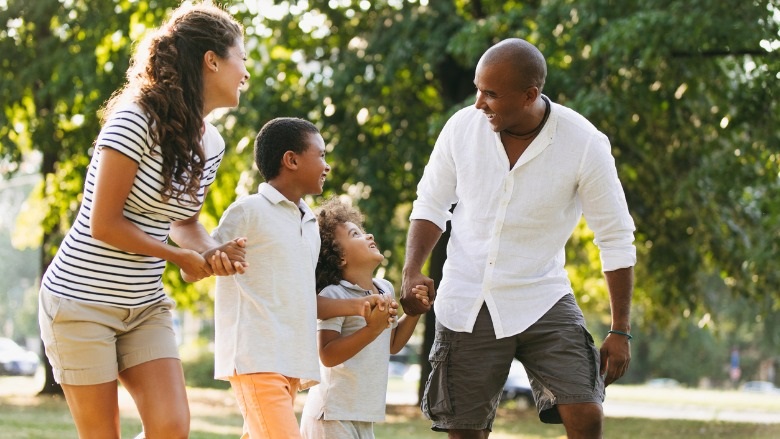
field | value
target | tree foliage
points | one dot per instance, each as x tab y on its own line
686	91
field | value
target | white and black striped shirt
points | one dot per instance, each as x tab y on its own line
93	271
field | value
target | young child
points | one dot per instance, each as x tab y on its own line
354	351
265	319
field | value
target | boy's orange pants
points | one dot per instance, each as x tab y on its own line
266	401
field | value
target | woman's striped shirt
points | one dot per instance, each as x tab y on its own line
93	271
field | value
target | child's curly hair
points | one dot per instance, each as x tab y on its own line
330	215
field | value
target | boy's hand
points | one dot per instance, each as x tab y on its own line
421	293
377	319
228	258
382	302
392	312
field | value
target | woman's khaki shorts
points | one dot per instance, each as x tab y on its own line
89	343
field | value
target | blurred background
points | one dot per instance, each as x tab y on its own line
686	90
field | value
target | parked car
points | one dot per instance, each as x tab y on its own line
760	387
401	363
15	360
517	386
663	383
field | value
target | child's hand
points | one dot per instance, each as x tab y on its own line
228	258
392	313
372	301
382	302
378	318
421	293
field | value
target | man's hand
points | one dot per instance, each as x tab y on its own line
417	293
615	357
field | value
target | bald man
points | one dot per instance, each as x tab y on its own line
522	171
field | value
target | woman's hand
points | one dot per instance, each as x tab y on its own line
192	265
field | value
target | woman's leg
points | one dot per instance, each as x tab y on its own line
157	387
95	410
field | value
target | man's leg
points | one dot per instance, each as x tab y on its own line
469	371
563	365
582	421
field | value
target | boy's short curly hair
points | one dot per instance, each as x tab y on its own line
330	216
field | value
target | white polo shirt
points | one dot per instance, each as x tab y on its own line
510	226
266	319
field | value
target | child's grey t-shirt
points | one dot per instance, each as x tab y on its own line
356	389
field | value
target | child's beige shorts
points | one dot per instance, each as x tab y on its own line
89	343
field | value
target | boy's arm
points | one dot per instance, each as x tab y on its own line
405	328
336	349
403	332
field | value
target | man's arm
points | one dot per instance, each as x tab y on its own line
616	349
423	236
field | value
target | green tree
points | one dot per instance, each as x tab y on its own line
686	91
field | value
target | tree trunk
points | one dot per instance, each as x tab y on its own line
50	386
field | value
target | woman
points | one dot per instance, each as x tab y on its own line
103	312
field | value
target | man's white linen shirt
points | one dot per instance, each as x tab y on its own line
510	226
266	319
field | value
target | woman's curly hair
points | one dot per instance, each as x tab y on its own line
332	214
166	79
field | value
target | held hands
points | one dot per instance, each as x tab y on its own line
417	293
224	260
228	258
382	302
615	357
379	317
421	293
193	266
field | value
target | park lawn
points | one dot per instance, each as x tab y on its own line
214	415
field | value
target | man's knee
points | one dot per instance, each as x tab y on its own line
582	421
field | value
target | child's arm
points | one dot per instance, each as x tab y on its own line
403	332
336	349
406	323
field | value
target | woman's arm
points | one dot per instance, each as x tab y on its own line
115	175
328	308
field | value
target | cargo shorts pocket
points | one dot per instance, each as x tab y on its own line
436	398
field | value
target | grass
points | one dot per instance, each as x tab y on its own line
215	416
